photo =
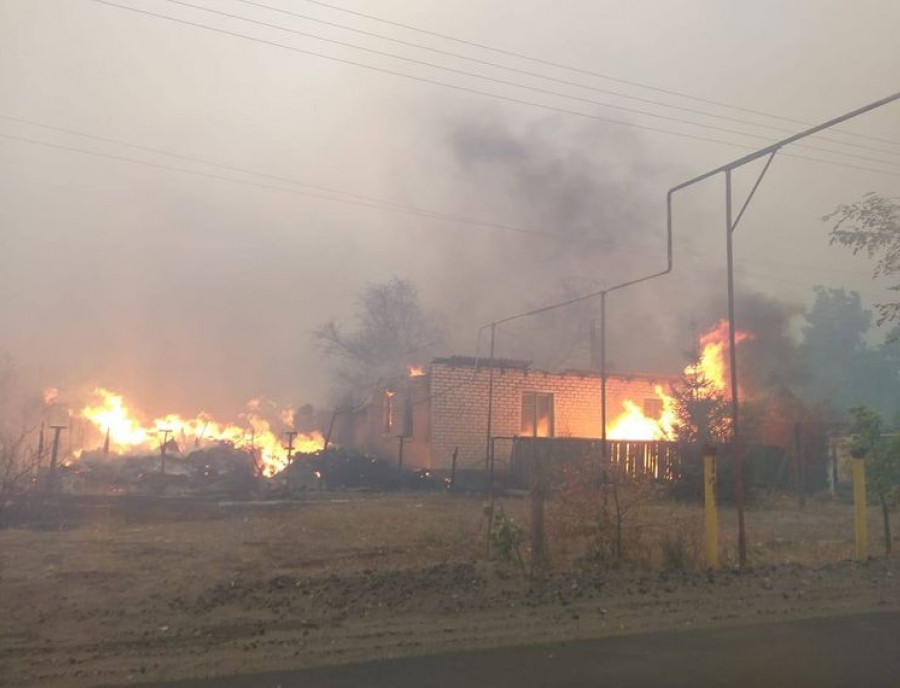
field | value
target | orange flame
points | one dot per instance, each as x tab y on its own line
416	371
634	424
713	363
712	366
110	414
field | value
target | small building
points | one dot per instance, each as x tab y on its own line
422	420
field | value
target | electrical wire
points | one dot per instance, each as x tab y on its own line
566	238
487	63
587	72
364	201
336	199
505	82
488	94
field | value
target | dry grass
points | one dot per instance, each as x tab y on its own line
105	595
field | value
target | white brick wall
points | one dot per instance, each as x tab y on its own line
459	402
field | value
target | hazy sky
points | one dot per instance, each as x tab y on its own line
192	292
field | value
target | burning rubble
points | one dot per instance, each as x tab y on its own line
123	431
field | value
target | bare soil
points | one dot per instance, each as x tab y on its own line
137	590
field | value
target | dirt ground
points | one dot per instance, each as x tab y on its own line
136	590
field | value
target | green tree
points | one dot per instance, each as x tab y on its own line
872	226
702	411
882	454
833	346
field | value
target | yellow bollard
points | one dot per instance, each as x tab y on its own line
859	504
711	508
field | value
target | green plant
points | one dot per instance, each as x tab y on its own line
882	455
679	551
507	537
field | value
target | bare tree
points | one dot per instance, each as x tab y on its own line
392	331
20	464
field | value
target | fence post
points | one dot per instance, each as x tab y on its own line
539	485
859	504
711	508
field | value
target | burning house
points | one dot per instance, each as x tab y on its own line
442	410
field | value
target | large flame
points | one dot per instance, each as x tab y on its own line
127	433
711	367
634	424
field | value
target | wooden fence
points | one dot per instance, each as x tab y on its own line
660	460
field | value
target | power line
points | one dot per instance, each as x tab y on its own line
505	82
524	72
360	200
336	199
607	77
551	108
377	206
288	180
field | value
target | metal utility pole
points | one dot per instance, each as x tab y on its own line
489	458
604	449
291	434
40	449
730	226
54	457
490	408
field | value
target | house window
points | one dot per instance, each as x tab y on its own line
653	408
537	414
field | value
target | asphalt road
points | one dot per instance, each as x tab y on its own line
846	651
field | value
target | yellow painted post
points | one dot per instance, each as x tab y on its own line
859	504
712	509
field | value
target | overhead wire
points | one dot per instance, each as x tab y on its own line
352	198
487	63
489	94
580	70
337	199
505	82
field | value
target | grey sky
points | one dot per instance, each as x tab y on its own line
189	292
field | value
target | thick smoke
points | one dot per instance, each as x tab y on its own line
596	193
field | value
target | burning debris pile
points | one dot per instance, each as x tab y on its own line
124	433
114	447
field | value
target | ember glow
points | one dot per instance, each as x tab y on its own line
711	367
129	434
416	371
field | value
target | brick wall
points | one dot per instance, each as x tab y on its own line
459	400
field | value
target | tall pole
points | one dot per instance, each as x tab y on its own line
603	375
732	355
490	408
291	434
488	450
54	456
162	449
